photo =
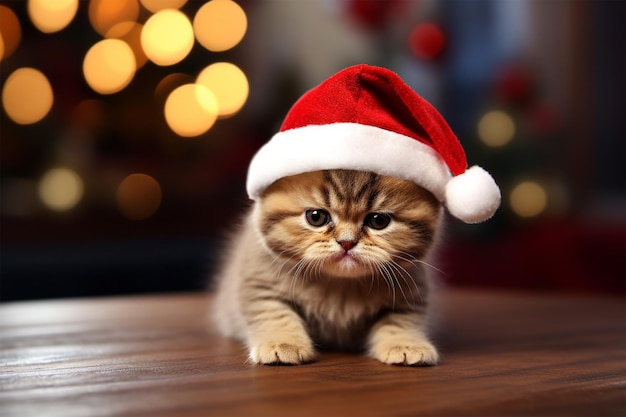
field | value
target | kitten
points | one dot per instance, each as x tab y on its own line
332	259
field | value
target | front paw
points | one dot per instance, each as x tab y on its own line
282	352
406	352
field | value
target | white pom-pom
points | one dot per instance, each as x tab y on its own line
472	196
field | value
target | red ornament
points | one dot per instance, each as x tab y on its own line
427	40
513	84
543	118
375	14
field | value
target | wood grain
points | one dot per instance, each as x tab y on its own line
503	354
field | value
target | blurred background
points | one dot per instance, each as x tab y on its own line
127	125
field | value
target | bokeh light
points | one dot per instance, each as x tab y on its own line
513	83
219	25
139	196
427	40
89	116
167	37
496	128
52	15
104	14
169	83
60	189
10	31
528	199
191	110
157	5
109	66
228	83
130	32
27	96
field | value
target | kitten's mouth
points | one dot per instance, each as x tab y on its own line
345	264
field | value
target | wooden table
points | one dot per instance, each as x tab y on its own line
503	354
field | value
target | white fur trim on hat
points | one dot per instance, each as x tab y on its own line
347	146
472	196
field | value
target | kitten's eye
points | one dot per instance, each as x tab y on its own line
317	217
377	221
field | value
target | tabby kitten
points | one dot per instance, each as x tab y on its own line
332	259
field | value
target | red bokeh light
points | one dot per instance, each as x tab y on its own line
427	40
513	84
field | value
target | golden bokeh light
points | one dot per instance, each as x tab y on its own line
157	5
104	14
191	110
228	83
109	66
10	31
51	16
167	37
219	25
528	199
27	96
60	189
130	32
496	128
139	196
89	116
169	83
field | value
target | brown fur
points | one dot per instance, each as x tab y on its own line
289	288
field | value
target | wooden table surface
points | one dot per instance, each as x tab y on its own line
503	354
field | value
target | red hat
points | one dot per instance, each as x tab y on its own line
366	118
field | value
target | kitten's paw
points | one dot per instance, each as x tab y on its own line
415	353
282	353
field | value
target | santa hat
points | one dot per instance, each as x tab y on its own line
366	118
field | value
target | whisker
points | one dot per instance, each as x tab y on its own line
410	277
281	273
384	272
414	260
391	266
371	266
296	276
406	276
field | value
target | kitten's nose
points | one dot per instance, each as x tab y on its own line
347	244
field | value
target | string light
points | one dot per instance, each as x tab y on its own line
191	110
228	83
88	115
219	25
60	189
109	66
156	5
169	83
51	15
528	199
496	128
427	40
104	14
10	31
130	32
167	37
191	106
139	196
27	96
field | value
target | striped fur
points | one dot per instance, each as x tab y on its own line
289	288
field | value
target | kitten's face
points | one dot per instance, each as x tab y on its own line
348	223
